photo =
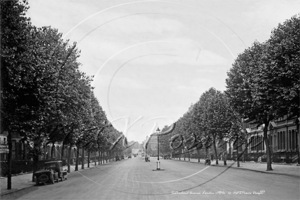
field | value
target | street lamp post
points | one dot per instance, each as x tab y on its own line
158	163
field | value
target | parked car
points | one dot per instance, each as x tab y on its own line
122	157
53	171
117	158
129	156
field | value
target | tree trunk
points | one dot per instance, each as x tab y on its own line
35	156
225	155
35	166
69	158
230	150
88	158
99	154
102	157
237	153
62	151
77	158
106	157
52	151
9	163
82	158
216	153
45	152
268	150
48	153
198	152
298	138
24	152
206	153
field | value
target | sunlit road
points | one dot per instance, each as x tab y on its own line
135	179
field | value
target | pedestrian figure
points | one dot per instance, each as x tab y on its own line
207	161
259	159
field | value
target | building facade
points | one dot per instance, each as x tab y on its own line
283	138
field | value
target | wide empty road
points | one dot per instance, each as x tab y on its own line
136	179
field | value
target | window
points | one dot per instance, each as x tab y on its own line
251	143
13	149
290	140
278	141
296	138
259	143
275	147
283	140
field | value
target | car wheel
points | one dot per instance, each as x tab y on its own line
43	178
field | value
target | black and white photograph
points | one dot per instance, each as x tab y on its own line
150	99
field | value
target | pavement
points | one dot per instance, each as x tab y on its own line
23	181
261	167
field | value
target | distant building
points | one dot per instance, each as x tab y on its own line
135	151
19	147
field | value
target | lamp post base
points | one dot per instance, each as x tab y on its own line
158	165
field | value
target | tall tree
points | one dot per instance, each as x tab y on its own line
250	96
15	27
283	73
212	115
263	83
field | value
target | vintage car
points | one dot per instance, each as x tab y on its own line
52	171
117	158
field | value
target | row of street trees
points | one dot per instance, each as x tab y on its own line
262	85
264	82
44	95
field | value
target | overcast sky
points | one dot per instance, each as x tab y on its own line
153	59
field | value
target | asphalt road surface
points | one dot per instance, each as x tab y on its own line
136	179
